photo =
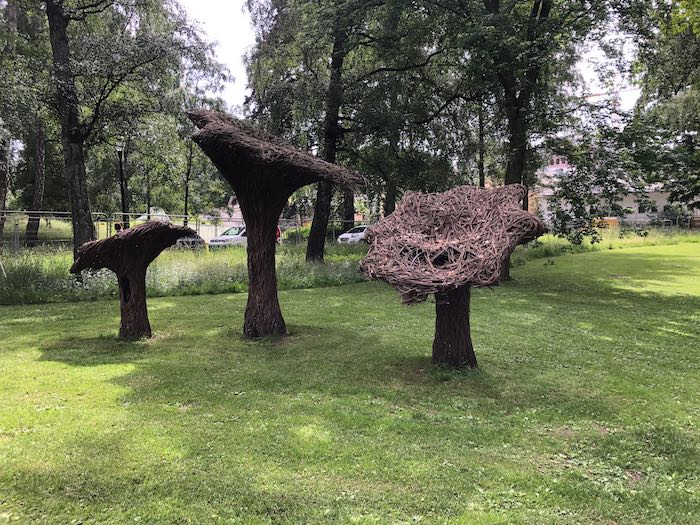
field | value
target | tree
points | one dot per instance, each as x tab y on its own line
25	104
666	123
112	60
297	73
71	126
342	81
604	171
4	176
38	184
9	31
524	52
331	133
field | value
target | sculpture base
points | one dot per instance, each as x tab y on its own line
263	316
453	343
132	296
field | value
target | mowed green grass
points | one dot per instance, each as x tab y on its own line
586	408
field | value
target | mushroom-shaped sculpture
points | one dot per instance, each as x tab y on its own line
444	243
264	171
128	254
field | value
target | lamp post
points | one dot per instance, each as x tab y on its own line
120	148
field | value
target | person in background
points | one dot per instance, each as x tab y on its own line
278	235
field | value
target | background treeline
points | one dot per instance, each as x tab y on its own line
426	94
414	94
80	76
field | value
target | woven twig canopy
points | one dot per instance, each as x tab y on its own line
140	244
241	151
440	241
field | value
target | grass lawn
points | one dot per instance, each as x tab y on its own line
586	408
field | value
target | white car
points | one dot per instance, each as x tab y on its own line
357	234
235	236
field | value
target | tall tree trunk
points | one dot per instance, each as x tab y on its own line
453	343
348	209
390	198
123	189
81	218
132	298
263	316
482	148
517	144
517	152
10	15
331	135
71	132
32	234
4	179
188	176
148	196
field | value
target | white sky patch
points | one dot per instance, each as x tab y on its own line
603	80
228	24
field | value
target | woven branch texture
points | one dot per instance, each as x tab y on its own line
435	242
240	150
138	245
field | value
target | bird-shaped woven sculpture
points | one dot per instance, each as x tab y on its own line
444	243
128	254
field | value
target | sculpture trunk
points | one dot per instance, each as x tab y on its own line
453	343
263	316
132	296
264	171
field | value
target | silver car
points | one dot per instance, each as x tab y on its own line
235	236
356	234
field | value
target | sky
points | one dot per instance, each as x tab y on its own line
227	23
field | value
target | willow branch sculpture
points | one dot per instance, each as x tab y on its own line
445	243
263	171
128	254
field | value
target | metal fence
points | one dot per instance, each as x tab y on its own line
54	229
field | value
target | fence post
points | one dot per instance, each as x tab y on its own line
16	234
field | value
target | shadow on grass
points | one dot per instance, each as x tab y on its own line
382	361
94	351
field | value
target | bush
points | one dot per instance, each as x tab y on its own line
41	275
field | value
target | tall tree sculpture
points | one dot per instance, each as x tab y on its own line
445	243
128	254
264	171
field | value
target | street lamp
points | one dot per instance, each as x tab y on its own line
120	148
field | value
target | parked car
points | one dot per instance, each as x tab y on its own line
191	243
357	234
235	236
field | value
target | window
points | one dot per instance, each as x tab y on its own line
233	231
648	207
